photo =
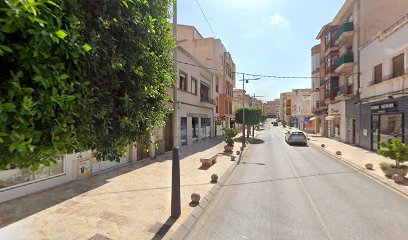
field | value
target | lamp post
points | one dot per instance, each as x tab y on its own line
243	104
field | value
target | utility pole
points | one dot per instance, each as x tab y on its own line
243	105
175	170
243	110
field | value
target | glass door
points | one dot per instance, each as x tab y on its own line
375	131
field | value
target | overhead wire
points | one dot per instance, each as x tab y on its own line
263	75
205	17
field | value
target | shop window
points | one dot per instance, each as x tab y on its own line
390	126
377	73
194	128
183	129
398	66
14	176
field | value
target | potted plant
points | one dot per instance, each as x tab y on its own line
230	133
396	150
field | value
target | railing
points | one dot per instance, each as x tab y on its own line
345	58
390	76
331	69
206	99
345	90
346	27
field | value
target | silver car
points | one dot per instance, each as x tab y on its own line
295	137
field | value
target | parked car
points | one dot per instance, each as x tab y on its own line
275	124
295	137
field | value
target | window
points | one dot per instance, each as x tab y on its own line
398	65
194	86
378	73
183	82
216	84
216	107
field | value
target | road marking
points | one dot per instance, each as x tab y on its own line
308	196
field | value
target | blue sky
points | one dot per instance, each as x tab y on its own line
270	37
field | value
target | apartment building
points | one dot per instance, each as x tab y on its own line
213	55
355	24
196	105
271	108
240	100
303	109
287	107
383	103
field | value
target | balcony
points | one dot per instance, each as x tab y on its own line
330	71
390	85
345	93
389	77
344	34
206	100
345	63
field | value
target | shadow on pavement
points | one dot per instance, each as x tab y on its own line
256	141
164	228
262	164
17	209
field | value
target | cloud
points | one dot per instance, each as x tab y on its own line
279	22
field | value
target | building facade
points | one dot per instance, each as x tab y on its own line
271	108
212	54
357	22
303	110
383	103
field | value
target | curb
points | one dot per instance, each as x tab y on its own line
182	231
380	179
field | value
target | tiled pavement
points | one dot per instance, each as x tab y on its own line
132	202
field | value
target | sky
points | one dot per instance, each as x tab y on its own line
268	37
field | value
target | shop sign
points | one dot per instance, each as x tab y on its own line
385	107
84	167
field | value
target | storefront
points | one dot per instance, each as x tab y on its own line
381	121
336	121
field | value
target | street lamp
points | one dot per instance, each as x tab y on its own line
243	104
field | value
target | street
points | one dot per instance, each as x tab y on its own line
294	192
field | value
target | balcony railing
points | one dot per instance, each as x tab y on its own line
345	90
346	27
206	99
330	70
345	58
390	76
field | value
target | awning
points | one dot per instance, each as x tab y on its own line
330	118
312	119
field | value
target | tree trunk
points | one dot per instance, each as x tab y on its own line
253	131
248	130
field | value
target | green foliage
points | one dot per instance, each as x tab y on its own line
129	68
253	116
230	133
394	149
40	81
78	75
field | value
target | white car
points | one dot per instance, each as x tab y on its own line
295	137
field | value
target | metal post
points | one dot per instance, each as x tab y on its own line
243	110
175	171
175	182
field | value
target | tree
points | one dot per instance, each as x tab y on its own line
394	149
78	75
253	117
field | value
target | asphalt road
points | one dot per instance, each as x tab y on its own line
291	192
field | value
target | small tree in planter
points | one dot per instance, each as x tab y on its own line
396	150
230	133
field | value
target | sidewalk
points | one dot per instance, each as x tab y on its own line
357	157
132	202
